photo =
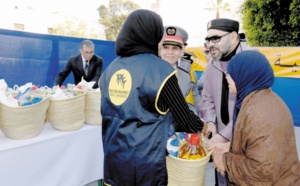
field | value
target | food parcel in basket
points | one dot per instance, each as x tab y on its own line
66	109
187	159
92	101
22	110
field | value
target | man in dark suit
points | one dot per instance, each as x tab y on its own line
86	65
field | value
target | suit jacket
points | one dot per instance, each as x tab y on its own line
75	65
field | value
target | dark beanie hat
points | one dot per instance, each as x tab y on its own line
227	25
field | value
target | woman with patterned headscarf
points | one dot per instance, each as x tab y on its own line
263	150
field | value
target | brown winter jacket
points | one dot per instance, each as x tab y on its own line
263	150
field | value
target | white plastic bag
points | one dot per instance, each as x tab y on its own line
8	100
3	85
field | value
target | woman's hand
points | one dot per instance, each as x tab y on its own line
218	163
217	155
211	129
217	138
204	129
221	147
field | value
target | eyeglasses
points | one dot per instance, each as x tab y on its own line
88	53
215	39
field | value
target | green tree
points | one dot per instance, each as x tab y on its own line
113	16
271	22
294	19
73	27
217	6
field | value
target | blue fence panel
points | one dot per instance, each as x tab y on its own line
289	90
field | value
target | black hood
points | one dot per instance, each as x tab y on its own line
140	33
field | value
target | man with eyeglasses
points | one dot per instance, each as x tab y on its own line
86	65
217	103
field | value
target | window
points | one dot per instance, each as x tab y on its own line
18	26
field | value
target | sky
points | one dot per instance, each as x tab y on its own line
188	14
192	16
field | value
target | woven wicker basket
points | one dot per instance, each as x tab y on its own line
92	108
23	122
182	172
67	114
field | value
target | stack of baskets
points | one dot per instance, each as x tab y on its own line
182	172
23	122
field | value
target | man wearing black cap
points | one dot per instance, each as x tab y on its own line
217	103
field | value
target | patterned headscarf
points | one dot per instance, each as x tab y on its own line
251	71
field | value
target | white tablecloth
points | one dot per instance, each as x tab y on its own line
54	158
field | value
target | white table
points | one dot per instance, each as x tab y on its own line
54	158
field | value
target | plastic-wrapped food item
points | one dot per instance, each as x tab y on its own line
29	100
173	146
28	97
43	91
192	148
70	87
174	142
63	89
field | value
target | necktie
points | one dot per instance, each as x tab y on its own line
224	101
86	68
